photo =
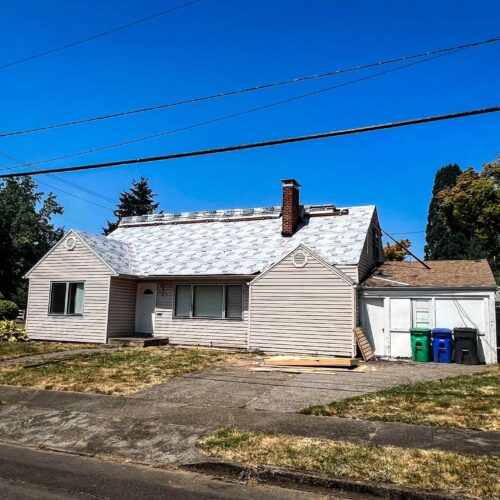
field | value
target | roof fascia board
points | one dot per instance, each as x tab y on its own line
115	273
333	269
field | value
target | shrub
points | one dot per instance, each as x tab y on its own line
10	333
8	309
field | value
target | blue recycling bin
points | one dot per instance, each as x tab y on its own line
442	345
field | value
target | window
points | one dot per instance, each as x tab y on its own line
234	301
421	313
66	298
209	301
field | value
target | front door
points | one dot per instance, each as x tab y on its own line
374	324
145	308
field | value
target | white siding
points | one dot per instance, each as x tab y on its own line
121	315
62	264
197	331
306	310
447	309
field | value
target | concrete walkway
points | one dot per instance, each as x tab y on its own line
36	359
162	424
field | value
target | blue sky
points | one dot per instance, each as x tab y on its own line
219	45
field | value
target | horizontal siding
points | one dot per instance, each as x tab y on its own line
305	310
121	315
61	264
191	331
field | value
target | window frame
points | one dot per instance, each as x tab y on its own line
191	309
66	298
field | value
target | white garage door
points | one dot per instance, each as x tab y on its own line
452	313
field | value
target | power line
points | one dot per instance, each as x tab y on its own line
65	181
410	232
67	192
97	35
275	142
405	248
249	89
234	115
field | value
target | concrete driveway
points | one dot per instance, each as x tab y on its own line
243	385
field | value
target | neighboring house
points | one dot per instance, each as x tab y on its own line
280	279
452	293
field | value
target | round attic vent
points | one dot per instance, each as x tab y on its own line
299	259
71	243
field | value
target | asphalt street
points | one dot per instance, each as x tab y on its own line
27	473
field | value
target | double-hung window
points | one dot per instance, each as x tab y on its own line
66	298
209	301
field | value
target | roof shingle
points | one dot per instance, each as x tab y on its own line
442	273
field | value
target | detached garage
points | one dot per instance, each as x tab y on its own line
451	294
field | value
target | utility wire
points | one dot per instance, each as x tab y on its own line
254	145
65	181
249	89
235	115
67	192
97	35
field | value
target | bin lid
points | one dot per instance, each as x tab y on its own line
442	332
418	330
465	332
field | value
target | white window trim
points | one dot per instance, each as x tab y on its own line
220	318
65	313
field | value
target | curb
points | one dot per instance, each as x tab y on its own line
312	481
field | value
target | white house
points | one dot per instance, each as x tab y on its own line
281	279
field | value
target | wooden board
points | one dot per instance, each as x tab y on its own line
302	361
363	344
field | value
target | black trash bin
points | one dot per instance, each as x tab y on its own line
466	346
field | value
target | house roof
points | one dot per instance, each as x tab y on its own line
224	242
118	255
442	273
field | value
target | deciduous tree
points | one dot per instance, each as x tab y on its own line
26	233
472	207
396	251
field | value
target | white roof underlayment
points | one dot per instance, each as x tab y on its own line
157	246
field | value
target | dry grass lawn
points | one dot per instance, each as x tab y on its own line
13	350
452	473
118	372
469	401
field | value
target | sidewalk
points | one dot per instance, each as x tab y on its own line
148	431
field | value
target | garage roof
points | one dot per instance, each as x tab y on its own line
442	273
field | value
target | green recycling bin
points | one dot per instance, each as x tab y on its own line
421	344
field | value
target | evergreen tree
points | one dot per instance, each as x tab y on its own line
442	242
138	200
26	233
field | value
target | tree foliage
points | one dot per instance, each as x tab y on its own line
138	200
472	207
396	251
442	241
26	233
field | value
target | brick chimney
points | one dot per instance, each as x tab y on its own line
290	207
